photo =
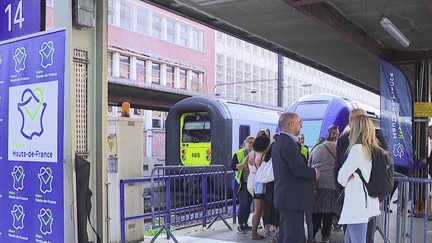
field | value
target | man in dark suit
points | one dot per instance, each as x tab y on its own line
293	180
341	156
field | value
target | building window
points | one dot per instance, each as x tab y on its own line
238	43
229	70
239	70
220	69
124	66
110	64
184	36
230	40
141	71
239	92
171	30
157	26
110	11
142	20
219	36
156	73
247	46
263	73
183	79
125	15
170	76
271	74
156	119
247	71
195	83
196	39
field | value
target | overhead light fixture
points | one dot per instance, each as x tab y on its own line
394	31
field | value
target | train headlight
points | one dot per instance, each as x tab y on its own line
208	152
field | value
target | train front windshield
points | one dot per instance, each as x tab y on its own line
311	130
312	115
196	129
195	141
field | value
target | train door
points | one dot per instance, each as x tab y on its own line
244	132
195	138
269	128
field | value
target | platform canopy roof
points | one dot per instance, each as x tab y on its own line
343	38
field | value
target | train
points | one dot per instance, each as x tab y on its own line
319	111
203	130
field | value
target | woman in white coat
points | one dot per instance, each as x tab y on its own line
358	206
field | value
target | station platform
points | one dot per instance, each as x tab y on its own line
219	233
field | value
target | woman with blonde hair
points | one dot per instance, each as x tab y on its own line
358	206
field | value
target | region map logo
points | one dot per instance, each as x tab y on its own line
47	53
398	150
45	176
18	177
20	58
18	216
46	219
32	108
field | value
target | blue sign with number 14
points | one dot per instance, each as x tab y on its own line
18	17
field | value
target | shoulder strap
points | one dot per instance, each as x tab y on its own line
331	153
262	159
364	185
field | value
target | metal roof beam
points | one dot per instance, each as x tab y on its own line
331	17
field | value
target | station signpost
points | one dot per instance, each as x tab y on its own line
31	137
21	17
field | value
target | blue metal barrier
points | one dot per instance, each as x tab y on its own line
123	217
407	225
180	195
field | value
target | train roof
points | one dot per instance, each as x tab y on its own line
371	111
246	111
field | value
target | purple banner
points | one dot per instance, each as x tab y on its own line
396	113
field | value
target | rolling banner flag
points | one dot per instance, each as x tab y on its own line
396	114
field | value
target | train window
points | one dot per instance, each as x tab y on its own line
315	111
196	129
244	131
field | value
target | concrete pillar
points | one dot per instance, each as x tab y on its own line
93	41
116	64
149	68
188	79
163	73
176	77
148	127
132	68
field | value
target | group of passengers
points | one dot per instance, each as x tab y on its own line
307	186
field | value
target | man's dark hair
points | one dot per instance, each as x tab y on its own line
332	133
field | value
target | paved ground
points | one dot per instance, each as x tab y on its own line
219	233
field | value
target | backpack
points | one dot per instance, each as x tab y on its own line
382	174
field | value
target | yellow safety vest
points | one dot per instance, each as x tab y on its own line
304	151
240	158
